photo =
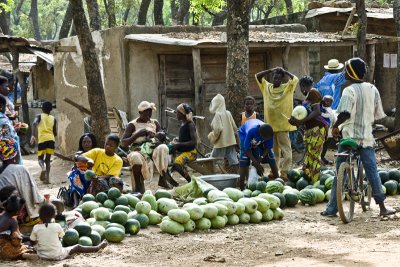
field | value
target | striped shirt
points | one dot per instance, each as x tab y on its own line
363	102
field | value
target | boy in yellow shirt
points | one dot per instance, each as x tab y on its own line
44	132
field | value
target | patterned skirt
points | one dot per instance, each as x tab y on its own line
314	140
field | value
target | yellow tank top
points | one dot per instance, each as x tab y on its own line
45	128
244	118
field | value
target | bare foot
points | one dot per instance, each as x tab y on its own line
387	212
28	256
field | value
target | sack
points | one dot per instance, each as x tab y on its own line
63	194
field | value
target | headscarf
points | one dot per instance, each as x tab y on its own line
144	105
186	110
8	148
355	68
217	104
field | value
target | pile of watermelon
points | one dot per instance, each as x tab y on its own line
390	181
217	210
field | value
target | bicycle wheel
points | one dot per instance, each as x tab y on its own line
345	187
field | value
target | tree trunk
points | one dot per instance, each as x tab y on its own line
144	7
110	9
4	19
182	12
362	29
396	15
96	97
237	62
66	24
94	15
289	6
33	14
126	13
158	12
174	11
16	11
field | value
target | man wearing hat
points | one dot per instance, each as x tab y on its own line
331	82
359	107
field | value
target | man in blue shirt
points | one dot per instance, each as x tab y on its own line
256	142
332	81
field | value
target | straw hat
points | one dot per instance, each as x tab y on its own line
333	64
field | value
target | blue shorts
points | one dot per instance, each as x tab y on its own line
244	161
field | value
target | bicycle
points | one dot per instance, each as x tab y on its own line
351	183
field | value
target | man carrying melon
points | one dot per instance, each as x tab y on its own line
359	107
256	142
278	100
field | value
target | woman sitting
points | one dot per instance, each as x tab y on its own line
13	174
78	183
139	132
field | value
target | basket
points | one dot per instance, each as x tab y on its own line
221	181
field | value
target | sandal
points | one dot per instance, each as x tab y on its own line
388	212
326	214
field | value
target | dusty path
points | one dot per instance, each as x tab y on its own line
303	238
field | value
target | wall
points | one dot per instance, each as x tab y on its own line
70	82
43	81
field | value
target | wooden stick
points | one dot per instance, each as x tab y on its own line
349	20
81	108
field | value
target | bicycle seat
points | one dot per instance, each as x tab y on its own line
349	143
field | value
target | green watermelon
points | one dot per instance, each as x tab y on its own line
384	189
142	219
394	174
122	200
120	226
143	207
119	216
301	183
281	198
291	184
87	207
260	186
85	241
132	227
247	193
293	175
291	199
384	175
113	193
329	182
95	237
132	200
256	217
71	237
123	208
88	197
171	227
203	224
99	229
278	214
307	196
323	177
162	193
101	197
252	186
109	204
280	180
274	186
217	222
114	234
102	214
89	174
151	200
83	229
154	217
255	193
328	195
322	188
320	195
391	187
265	179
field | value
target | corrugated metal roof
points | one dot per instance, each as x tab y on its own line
378	13
21	44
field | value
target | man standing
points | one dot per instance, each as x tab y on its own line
278	104
359	107
331	82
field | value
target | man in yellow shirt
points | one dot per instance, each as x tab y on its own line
278	103
106	164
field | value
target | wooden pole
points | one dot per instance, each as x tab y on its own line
349	20
285	58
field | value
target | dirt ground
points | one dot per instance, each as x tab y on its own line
302	238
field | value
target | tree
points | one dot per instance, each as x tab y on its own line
396	15
362	29
158	12
144	7
94	16
289	6
4	17
237	63
66	24
96	97
184	6
33	14
110	9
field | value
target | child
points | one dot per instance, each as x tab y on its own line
44	133
186	145
249	107
224	132
256	142
328	114
47	236
11	246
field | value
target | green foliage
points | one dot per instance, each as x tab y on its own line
7	6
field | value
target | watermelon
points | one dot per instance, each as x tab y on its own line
233	193
256	217
252	186
274	186
171	227
265	179
203	224
291	199
95	237
123	208
247	193
307	196
83	229
199	201
99	229
282	199
190	226
322	188
132	200
394	174
301	183
328	195
142	219
330	172
210	211
87	207
119	217
233	219
88	197
231	206
391	187
101	223
179	215
250	204
109	204
320	195
114	234
262	204
194	210
323	177
280	180
143	207
274	201
101	197
71	237
102	214
132	227
113	193
244	218
291	184
260	186
384	189
122	200
154	217
85	241
240	208
222	209
384	175
278	214
89	174
267	216
166	204
117	225
329	182
151	200
162	193
255	193
218	222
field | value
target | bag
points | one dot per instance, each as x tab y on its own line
63	194
97	186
